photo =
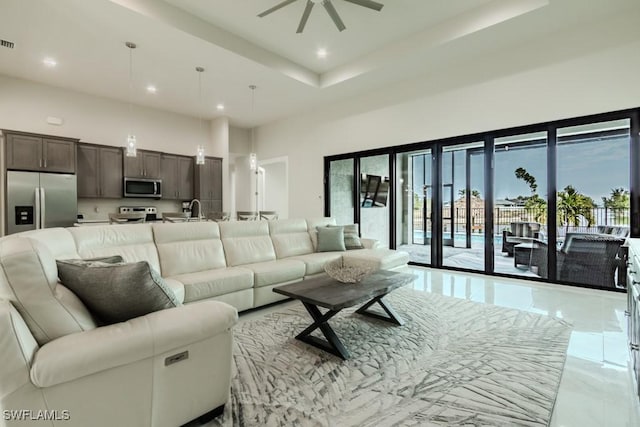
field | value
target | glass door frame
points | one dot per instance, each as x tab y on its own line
391	201
488	137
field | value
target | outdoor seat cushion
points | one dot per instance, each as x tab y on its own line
274	272
315	262
383	259
213	283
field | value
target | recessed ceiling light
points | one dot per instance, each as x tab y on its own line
151	89
220	106
49	62
321	52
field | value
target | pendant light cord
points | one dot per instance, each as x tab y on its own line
130	89
200	108
253	97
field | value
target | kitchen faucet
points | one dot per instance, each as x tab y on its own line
199	208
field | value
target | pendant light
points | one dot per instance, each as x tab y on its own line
200	148
131	138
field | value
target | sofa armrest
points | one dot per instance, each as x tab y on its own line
17	347
85	353
371	243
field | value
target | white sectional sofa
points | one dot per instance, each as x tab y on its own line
56	356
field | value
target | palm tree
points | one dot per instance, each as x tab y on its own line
572	206
474	193
535	205
618	205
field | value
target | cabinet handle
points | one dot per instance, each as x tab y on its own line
45	163
627	313
634	347
40	163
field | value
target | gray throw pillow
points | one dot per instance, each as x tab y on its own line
330	239
351	237
114	291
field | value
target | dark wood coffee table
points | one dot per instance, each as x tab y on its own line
334	296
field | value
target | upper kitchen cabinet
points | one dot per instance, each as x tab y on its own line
146	164
169	167
208	184
40	153
185	177
99	171
177	177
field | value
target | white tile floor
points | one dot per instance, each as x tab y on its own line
597	387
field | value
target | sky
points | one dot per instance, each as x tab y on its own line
593	168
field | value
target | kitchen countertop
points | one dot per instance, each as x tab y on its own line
88	222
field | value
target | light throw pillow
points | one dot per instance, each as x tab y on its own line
330	239
351	237
115	291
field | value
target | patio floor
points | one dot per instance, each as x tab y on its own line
468	258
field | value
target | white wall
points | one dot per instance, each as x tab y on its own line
25	105
220	142
568	75
275	195
239	140
240	175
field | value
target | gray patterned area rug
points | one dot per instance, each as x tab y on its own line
454	362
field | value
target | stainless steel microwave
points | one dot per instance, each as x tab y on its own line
142	187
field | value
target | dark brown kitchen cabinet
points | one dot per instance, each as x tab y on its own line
169	166
40	153
88	175
146	164
99	171
177	177
185	177
208	184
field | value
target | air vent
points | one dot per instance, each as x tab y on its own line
6	43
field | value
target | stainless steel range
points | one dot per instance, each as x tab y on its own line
151	211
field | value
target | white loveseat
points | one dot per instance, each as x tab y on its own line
56	357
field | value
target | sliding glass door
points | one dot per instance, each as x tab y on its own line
374	197
463	218
553	201
593	202
414	205
341	190
520	206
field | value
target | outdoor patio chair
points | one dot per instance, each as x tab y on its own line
519	232
590	259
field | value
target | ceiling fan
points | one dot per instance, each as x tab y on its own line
328	7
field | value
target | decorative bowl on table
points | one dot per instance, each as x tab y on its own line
348	273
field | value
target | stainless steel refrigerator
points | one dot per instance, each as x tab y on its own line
40	200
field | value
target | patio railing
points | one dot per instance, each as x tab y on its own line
504	216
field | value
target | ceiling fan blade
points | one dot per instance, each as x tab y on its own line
276	7
305	16
333	14
367	3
